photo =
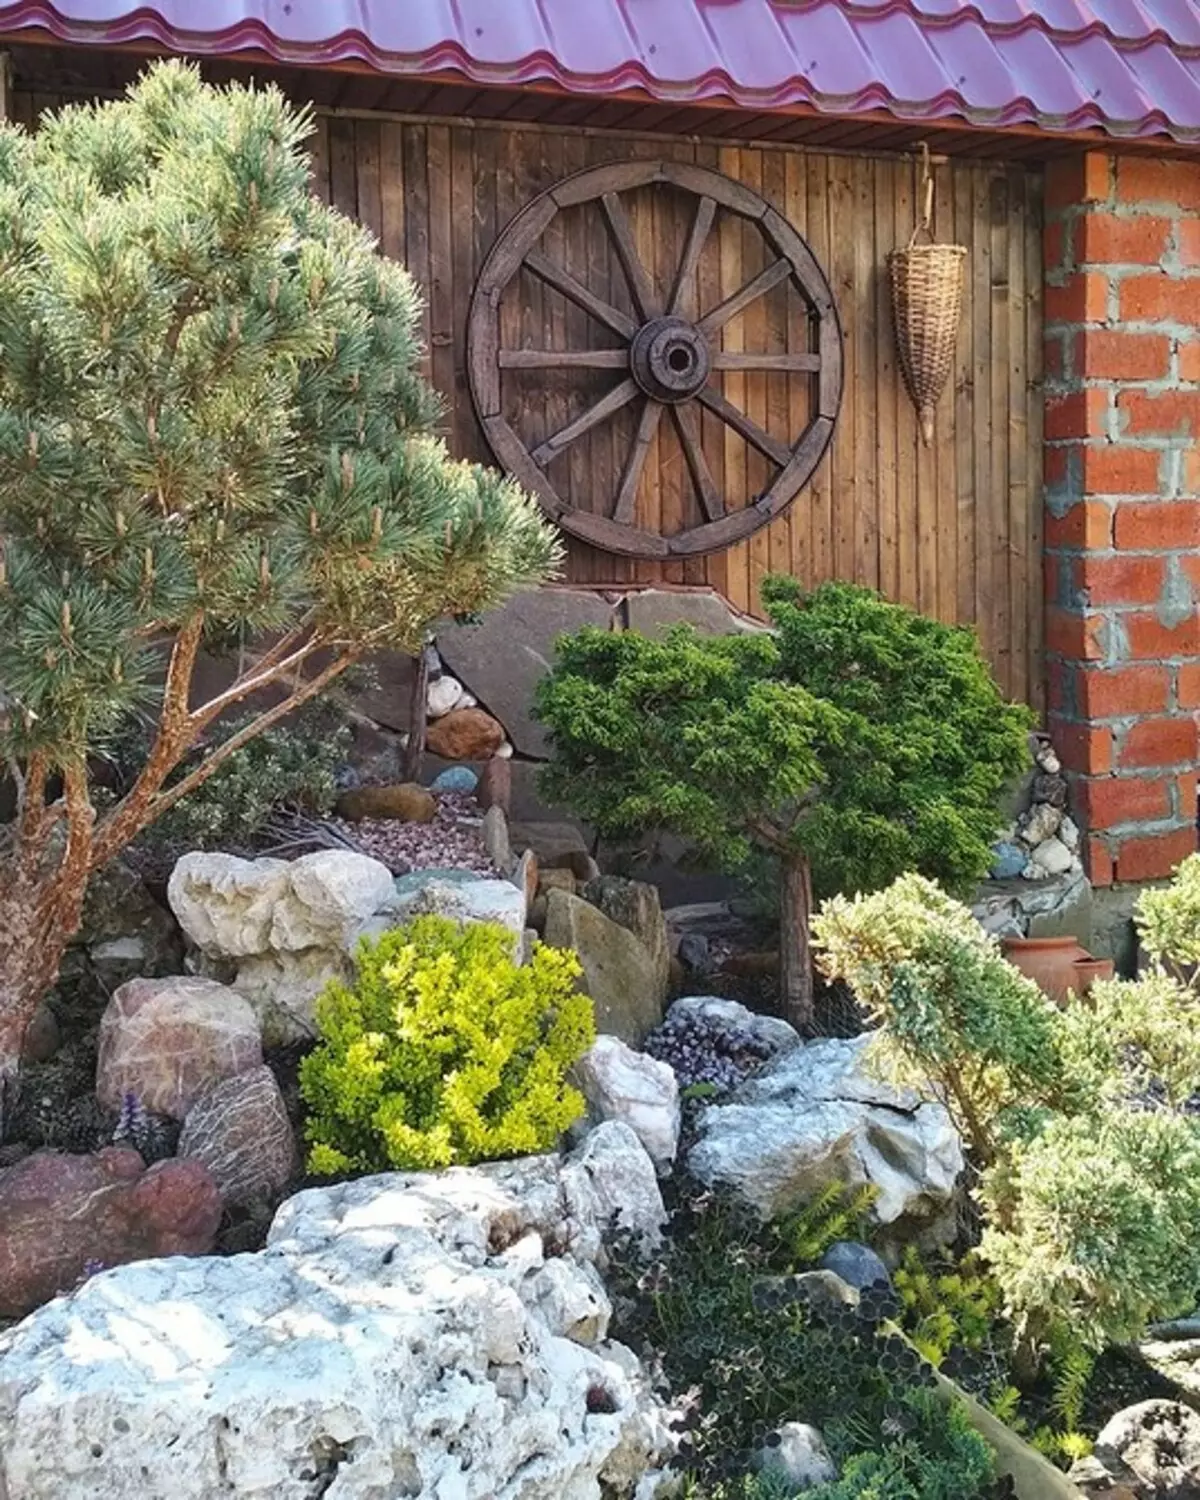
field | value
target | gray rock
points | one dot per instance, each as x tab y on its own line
1040	824
1008	861
816	1115
410	1334
473	900
621	1084
503	658
456	779
241	1132
1153	1447
124	933
694	951
856	1264
799	1455
654	611
618	971
1053	857
635	906
444	693
496	841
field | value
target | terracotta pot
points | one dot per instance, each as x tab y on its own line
1089	970
1049	962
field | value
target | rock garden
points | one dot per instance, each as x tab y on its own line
361	1138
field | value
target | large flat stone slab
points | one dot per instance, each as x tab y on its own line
653	611
502	659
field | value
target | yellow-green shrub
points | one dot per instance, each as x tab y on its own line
444	1052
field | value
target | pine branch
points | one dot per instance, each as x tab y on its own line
258	679
217	757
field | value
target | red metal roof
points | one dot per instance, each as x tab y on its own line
1128	67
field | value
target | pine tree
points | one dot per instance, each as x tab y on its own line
213	430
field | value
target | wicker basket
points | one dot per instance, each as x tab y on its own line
927	289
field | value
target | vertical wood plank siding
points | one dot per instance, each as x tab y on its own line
954	530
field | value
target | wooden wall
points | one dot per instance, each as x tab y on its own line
954	530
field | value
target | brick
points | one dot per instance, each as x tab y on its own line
1187	242
1077	414
1075	635
1115	355
1191	471
1058	573
1082	298
1159	742
1162	414
1098	862
1060	687
1154	856
1189	360
1154	525
1153	179
1124	692
1079	179
1120	579
1112	801
1187	685
1151	640
1055	466
1084	748
1103	239
1112	469
1087	524
1185	794
1159	298
1054	357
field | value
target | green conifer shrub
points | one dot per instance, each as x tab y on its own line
444	1052
858	740
213	429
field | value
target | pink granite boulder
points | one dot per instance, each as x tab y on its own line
168	1040
62	1216
241	1132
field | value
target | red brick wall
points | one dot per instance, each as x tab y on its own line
1122	305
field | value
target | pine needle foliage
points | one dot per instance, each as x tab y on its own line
213	431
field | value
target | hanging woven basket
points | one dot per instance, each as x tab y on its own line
927	292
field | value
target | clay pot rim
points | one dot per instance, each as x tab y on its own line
1042	942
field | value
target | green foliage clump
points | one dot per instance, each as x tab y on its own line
444	1052
946	1308
1079	1118
748	1347
835	1213
955	1017
292	768
1168	922
856	741
1093	1224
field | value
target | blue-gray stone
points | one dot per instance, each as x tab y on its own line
409	885
1008	860
456	779
856	1264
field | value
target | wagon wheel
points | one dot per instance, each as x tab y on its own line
666	361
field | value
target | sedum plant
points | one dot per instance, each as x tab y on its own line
444	1052
213	431
858	740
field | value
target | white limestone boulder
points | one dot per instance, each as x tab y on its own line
441	1335
622	1084
816	1115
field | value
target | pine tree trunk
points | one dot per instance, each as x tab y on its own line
31	950
795	959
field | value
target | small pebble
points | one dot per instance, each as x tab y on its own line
456	779
453	840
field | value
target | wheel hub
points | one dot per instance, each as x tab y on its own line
669	359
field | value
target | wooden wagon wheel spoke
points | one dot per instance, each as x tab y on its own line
788	363
635	272
706	211
751	292
746	426
689	436
631	474
563	281
615	399
667	356
563	359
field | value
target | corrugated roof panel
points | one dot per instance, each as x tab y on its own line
1131	67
